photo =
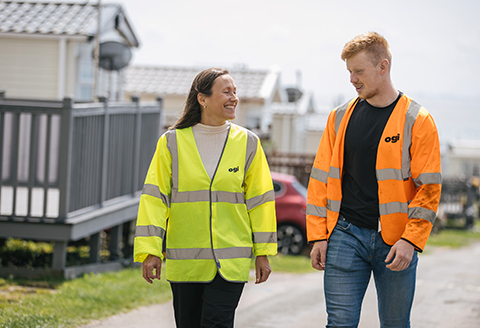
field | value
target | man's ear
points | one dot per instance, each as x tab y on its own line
384	65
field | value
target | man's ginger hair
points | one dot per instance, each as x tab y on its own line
371	42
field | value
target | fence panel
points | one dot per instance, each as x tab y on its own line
148	141
86	167
29	159
57	157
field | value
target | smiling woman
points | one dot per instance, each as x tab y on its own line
210	179
220	105
202	87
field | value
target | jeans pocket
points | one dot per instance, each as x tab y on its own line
343	224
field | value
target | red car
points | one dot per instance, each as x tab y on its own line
290	205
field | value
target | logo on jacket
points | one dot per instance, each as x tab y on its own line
233	169
393	139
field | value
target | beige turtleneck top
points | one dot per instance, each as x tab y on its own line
210	141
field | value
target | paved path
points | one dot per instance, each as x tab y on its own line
447	296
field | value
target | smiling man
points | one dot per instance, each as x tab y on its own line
373	192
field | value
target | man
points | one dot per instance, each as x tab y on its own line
373	192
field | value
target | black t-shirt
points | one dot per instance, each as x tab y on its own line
359	184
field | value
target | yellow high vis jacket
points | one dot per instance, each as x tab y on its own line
213	225
407	169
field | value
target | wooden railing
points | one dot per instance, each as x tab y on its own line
69	170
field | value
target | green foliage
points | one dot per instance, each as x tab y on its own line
30	254
18	252
77	255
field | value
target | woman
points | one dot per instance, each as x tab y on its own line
210	180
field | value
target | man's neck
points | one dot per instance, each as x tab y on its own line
385	98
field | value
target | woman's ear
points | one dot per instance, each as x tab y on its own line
201	99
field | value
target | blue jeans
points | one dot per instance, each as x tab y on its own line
353	253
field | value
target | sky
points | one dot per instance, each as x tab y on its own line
435	45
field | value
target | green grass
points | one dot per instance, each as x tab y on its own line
454	238
57	303
77	301
291	264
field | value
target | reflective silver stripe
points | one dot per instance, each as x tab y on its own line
228	197
234	252
149	231
154	191
269	196
190	196
334	205
334	172
206	253
264	237
393	207
422	213
428	178
389	174
204	196
252	143
410	118
320	211
319	175
413	213
189	254
339	113
172	146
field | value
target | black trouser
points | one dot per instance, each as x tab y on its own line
206	305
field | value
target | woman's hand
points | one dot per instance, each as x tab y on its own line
152	262
262	269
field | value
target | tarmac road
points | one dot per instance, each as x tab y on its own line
447	296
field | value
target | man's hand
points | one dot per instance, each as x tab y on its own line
152	262
401	253
262	269
318	255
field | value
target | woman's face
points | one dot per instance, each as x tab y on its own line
220	106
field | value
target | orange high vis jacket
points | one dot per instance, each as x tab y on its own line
408	172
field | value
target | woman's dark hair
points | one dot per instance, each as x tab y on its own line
203	82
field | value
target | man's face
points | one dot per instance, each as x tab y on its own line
365	77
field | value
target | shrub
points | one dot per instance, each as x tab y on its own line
23	253
30	254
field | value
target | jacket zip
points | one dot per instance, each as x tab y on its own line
217	262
